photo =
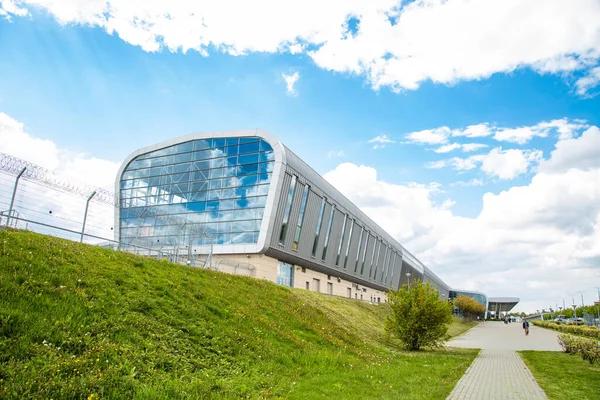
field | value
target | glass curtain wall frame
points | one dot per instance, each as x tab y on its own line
204	191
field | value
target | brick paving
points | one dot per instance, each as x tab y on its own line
498	372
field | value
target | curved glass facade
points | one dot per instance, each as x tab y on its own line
196	193
480	298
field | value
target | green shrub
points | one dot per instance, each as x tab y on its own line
419	318
588	349
587	331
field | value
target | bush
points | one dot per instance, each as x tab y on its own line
587	331
588	349
419	318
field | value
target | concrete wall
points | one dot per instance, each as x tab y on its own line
265	267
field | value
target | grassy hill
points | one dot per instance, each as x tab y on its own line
78	321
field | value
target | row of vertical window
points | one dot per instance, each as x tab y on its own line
390	258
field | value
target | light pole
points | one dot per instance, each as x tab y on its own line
408	277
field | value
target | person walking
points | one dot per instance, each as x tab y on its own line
526	327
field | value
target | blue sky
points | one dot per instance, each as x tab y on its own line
102	94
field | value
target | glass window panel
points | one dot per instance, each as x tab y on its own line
217	163
224	227
226	204
259	201
128	175
197	196
288	208
215	184
248	169
339	252
349	241
318	231
249	139
200	175
219	142
214	194
200	165
328	232
225	215
228	193
176	178
181	168
266	156
182	157
216	173
249	180
248	159
201	155
265	167
197	186
212	205
232	141
202	144
185	147
249	148
157	162
216	153
265	146
232	150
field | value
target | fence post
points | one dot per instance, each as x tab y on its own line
87	204
12	201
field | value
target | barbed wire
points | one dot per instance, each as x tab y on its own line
14	165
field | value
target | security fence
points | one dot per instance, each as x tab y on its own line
43	201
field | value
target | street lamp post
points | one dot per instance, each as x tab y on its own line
408	277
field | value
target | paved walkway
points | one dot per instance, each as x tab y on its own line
498	372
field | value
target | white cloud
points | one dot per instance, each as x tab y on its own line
457	163
589	81
468	147
508	164
472	131
430	136
35	199
563	128
9	7
504	164
290	81
393	46
335	153
18	143
447	148
539	242
472	182
582	153
381	141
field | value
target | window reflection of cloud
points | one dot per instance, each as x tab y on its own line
238	189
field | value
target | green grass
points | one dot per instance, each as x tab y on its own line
562	375
458	327
78	320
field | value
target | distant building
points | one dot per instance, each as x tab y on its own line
260	210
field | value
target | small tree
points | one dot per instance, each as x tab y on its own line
419	318
469	306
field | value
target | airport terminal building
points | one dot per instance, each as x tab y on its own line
258	209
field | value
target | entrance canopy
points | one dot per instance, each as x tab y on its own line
501	304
